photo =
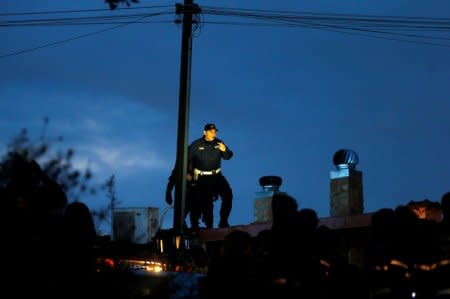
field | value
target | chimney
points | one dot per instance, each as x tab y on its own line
263	199
346	192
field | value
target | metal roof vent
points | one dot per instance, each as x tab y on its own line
345	159
270	182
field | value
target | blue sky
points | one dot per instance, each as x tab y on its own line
284	99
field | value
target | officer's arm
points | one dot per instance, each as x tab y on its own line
169	188
227	154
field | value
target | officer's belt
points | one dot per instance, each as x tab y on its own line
198	172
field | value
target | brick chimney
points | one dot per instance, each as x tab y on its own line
346	188
263	199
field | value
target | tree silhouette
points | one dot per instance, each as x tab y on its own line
58	165
105	213
113	4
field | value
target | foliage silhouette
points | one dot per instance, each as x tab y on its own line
58	165
113	4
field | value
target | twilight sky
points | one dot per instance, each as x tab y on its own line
286	94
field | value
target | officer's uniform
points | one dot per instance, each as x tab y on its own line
205	161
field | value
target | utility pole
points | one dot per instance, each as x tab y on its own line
187	10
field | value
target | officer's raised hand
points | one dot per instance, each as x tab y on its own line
222	146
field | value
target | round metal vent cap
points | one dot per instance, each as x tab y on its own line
345	158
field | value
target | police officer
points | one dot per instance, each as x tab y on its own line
191	206
205	155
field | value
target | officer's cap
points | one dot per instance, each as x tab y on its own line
210	127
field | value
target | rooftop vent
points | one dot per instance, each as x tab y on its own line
270	182
345	159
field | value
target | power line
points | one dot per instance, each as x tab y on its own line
370	26
360	32
278	13
76	37
273	16
51	24
380	27
354	20
79	10
74	20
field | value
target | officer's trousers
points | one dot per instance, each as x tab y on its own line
208	187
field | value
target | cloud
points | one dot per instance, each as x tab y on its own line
109	134
127	158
